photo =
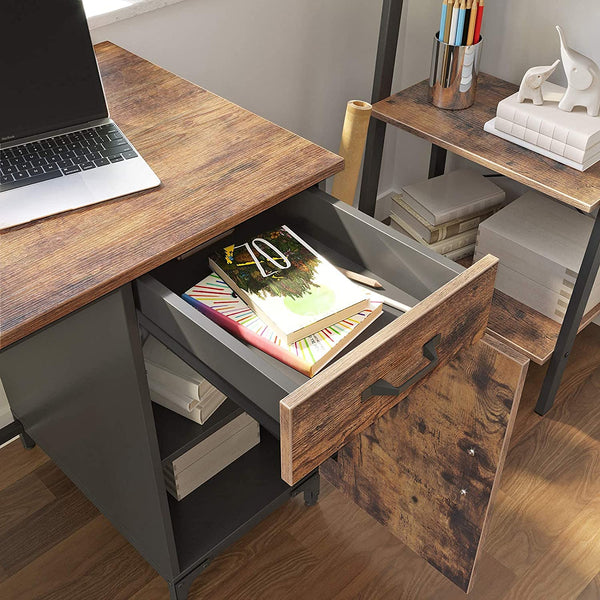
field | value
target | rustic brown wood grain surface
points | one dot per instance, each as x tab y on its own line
525	329
319	417
219	165
461	132
428	468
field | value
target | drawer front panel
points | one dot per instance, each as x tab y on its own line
320	417
428	469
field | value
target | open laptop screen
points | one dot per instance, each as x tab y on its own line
49	76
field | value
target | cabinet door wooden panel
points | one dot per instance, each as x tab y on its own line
319	417
429	467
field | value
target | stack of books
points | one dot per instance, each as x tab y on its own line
443	213
176	386
278	294
228	435
571	138
540	244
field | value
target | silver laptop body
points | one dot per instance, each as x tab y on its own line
94	161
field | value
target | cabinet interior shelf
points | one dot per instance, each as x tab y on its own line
220	510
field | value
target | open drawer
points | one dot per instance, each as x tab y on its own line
314	418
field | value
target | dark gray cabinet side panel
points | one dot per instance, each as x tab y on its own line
78	386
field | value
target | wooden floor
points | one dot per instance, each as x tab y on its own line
544	541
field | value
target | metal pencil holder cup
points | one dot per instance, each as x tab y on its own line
453	79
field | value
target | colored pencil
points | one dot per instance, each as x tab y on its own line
460	26
467	22
471	31
448	21
477	34
360	278
443	20
454	23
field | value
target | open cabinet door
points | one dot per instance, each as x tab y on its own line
428	469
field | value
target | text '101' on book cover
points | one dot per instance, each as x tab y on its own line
287	284
215	299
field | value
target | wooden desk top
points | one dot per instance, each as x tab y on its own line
461	132
219	165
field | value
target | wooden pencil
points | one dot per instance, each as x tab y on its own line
472	22
477	34
460	27
454	24
467	22
448	22
443	20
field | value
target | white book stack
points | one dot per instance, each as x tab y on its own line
176	386
216	447
571	138
540	244
443	213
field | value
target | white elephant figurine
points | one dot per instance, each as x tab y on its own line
531	85
583	75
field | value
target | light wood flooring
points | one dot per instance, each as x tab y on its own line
543	544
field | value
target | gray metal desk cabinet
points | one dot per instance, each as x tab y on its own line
78	387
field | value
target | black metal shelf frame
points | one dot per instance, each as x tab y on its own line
391	16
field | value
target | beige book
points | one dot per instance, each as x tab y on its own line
542	239
218	457
435	233
450	244
531	293
455	195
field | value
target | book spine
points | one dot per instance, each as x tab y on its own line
213	441
178	385
545	129
432	234
278	352
490	127
193	415
182	484
456	242
460	252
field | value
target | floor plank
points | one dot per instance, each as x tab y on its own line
95	562
543	544
592	591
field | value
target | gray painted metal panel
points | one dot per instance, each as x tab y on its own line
79	388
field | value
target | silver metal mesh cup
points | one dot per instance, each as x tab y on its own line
453	78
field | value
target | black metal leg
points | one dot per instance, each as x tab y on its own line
27	441
312	489
437	161
391	15
14	429
179	590
570	326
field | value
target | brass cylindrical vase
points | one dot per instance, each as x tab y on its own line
453	79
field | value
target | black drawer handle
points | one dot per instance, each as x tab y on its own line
383	388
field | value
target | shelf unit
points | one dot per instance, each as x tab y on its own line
461	132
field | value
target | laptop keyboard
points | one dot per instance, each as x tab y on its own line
62	155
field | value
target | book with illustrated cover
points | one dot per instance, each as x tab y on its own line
215	299
292	288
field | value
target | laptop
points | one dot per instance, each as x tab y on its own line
59	150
